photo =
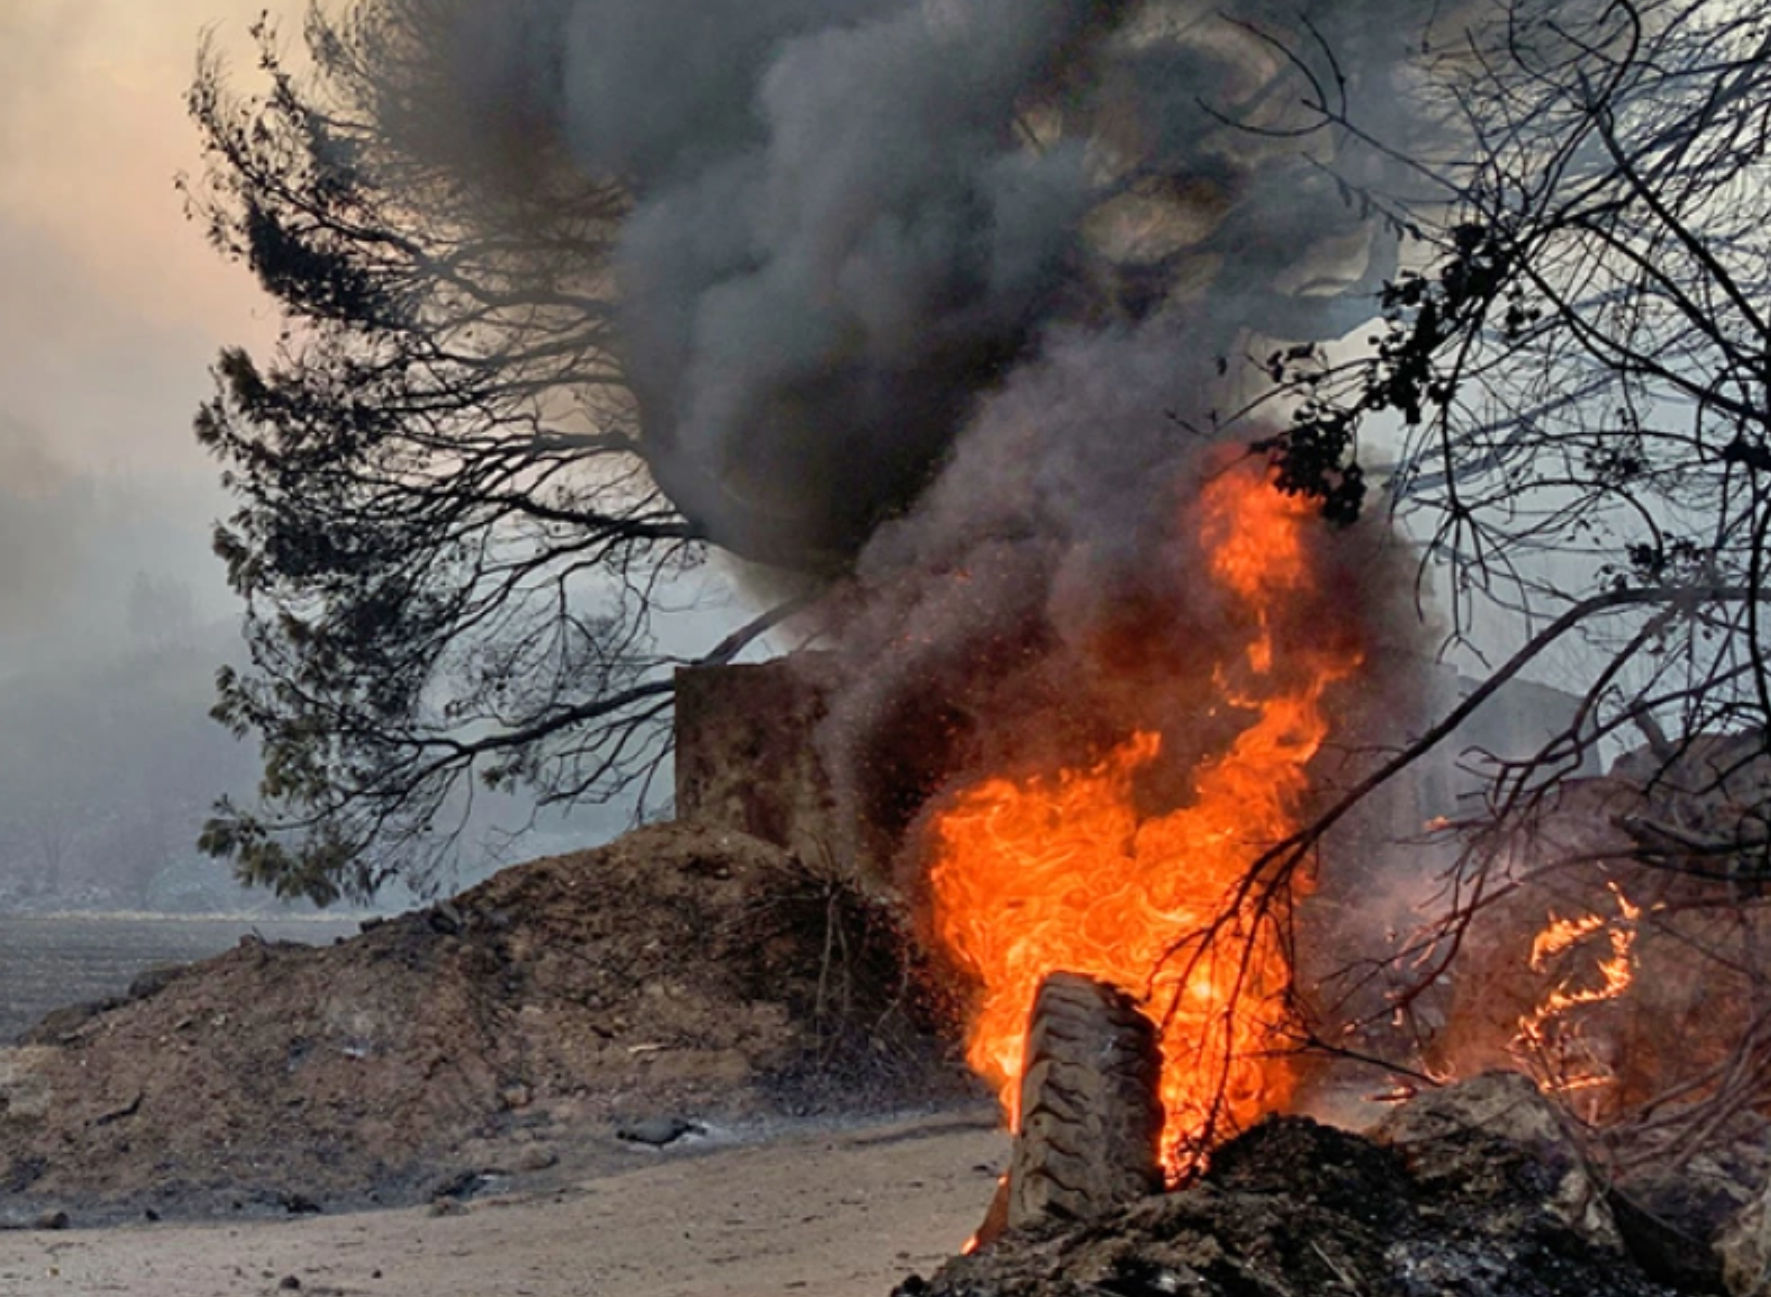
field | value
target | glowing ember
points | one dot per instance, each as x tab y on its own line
1041	874
1559	1052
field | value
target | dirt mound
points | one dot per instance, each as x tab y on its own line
1293	1207
678	970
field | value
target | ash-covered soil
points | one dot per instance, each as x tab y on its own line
678	974
1297	1209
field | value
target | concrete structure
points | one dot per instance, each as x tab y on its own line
745	758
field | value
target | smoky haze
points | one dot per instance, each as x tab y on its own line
108	597
114	613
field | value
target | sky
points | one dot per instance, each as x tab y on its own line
112	308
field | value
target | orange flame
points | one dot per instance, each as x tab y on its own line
1558	1050
1040	874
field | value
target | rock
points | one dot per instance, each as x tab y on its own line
1706	1225
120	1113
464	1184
1743	1242
51	1220
658	1131
1667	1225
22	1174
1742	1248
446	918
536	1157
1450	1133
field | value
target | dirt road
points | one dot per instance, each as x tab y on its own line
832	1215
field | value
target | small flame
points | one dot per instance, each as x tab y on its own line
1560	935
1557	1047
1041	874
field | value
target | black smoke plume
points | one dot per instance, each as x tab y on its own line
851	220
945	300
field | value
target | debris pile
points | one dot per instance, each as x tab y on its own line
1473	1190
680	970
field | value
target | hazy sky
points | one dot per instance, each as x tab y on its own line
111	310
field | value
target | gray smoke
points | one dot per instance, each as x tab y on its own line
1044	598
851	218
945	298
809	317
41	548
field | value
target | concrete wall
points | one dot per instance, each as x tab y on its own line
745	759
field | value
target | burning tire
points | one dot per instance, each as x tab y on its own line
1091	1117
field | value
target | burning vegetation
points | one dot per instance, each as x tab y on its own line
1632	993
1067	872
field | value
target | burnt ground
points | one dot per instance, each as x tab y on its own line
680	974
1295	1209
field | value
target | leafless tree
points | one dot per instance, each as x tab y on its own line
1573	383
